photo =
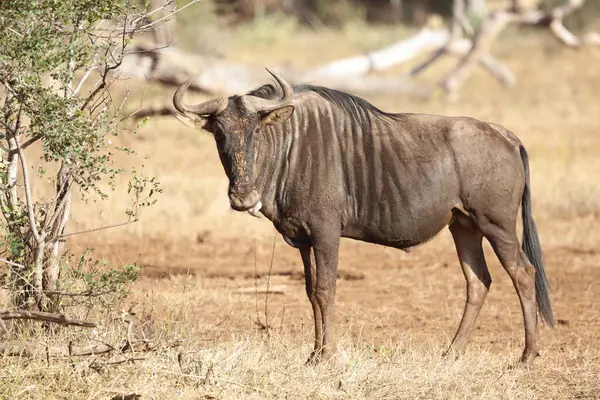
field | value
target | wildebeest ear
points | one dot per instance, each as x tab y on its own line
277	116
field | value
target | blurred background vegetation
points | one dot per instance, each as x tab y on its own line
258	20
332	13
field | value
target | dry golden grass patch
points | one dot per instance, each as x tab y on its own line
254	364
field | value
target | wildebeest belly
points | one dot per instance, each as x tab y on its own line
403	212
410	231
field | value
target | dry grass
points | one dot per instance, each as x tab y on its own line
254	367
394	324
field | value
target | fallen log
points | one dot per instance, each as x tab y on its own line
400	52
173	66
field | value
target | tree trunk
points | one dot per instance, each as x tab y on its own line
476	8
63	210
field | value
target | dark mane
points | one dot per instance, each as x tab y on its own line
358	109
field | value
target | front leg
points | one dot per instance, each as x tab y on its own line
326	243
310	277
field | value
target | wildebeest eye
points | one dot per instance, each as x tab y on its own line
218	131
220	136
216	127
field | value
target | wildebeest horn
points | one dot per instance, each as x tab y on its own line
288	90
211	107
260	104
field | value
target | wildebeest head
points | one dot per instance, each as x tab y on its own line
236	123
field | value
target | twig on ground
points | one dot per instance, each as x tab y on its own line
128	396
277	289
29	350
119	362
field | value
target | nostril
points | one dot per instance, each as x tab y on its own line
237	194
236	202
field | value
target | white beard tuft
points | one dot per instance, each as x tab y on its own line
254	210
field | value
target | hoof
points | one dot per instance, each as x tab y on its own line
314	358
453	352
528	357
317	357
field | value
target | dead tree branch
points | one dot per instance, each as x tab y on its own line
46	317
395	54
496	22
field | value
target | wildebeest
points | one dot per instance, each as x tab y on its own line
323	164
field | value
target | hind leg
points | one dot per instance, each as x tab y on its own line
522	273
468	241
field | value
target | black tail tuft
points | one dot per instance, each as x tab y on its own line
533	249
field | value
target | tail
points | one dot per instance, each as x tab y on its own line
533	250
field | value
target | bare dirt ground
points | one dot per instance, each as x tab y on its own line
396	312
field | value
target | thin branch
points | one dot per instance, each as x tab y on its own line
111	363
11	184
155	110
144	50
140	107
26	281
86	75
46	317
102	85
269	283
12	264
117	108
95	229
161	8
87	293
8	127
29	350
28	198
167	17
258	321
13	131
30	141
